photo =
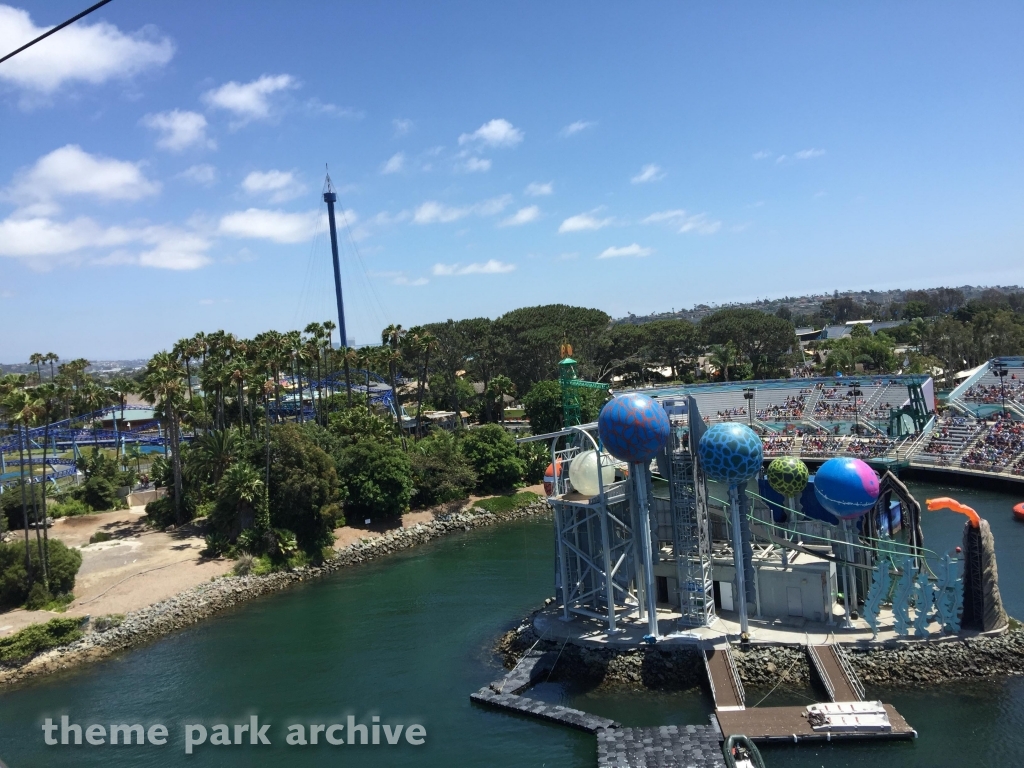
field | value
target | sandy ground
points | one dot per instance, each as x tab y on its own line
137	567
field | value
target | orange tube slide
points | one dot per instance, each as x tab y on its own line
953	505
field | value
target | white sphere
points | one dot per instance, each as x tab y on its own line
583	472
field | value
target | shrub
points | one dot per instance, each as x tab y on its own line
492	452
440	472
69	507
22	646
377	478
498	504
110	621
38	597
161	512
15	583
244	564
216	545
304	487
99	537
535	458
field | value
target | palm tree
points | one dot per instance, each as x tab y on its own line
134	453
37	359
51	358
14	404
427	343
328	327
218	451
31	411
47	394
122	387
722	357
498	387
163	385
393	336
349	357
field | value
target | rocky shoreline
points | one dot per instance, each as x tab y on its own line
680	667
198	603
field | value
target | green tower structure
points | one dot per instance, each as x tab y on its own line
571	385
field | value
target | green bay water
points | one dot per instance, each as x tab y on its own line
409	637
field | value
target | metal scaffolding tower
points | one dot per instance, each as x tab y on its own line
690	523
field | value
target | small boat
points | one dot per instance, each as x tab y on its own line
740	752
1018	511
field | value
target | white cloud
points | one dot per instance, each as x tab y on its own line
780	159
536	189
179	130
72	171
476	165
573	128
522	216
628	250
761	154
400	278
317	107
583	222
204	174
91	53
496	133
33	236
280	185
700	223
490	267
249	101
649	172
38	239
173	249
433	212
394	164
808	154
278	226
402	126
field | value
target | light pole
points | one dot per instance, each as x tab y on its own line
748	395
1000	370
856	392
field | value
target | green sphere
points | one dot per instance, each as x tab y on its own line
788	475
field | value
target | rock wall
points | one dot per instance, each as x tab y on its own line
679	667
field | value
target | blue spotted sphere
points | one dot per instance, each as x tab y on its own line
633	427
846	487
731	452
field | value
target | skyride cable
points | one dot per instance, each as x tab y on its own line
58	28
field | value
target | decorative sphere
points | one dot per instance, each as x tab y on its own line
633	427
583	473
731	452
550	474
846	487
788	475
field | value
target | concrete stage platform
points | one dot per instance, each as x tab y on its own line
587	631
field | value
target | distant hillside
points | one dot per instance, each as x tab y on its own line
811	305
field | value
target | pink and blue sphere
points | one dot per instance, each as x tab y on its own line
731	453
846	487
633	427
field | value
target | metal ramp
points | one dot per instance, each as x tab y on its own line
835	672
724	680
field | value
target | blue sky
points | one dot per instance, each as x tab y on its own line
162	163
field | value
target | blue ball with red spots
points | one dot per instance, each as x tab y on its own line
731	452
633	427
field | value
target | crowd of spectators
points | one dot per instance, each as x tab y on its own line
777	444
999	450
793	408
866	448
992	394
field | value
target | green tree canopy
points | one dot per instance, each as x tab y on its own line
492	452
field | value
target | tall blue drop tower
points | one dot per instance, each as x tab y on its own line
331	197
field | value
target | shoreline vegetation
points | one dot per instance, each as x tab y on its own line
101	637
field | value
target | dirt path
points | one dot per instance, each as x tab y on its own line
136	568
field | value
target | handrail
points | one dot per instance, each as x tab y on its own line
844	663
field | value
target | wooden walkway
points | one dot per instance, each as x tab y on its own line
789	724
724	680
